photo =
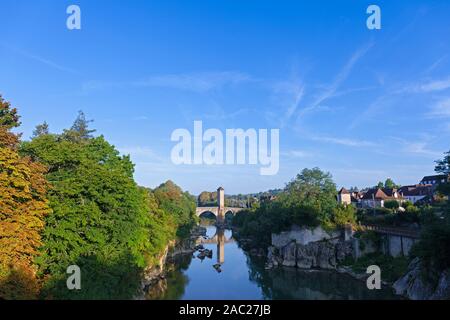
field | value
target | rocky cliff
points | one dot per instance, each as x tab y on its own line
324	254
415	286
153	274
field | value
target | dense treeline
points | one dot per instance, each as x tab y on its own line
434	245
95	215
308	200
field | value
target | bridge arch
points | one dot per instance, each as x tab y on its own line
208	215
205	210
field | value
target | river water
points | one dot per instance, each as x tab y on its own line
241	276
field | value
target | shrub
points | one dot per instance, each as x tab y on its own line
391	204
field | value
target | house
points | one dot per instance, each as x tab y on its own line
435	180
417	193
376	197
344	197
356	197
391	193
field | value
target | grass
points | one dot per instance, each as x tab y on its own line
391	268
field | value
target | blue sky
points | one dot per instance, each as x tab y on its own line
362	104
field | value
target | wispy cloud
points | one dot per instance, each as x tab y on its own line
436	63
420	148
293	91
437	85
331	90
417	146
39	59
219	113
379	103
441	109
426	86
197	82
345	142
300	154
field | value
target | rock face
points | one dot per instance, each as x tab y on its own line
320	254
153	275
413	286
302	236
187	246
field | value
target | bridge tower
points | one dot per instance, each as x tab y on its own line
220	246
221	205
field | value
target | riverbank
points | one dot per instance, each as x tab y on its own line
153	276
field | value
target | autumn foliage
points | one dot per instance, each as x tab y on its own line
23	206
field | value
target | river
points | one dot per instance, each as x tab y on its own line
241	276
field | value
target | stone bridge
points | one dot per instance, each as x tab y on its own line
220	211
215	210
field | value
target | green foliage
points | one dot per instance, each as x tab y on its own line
434	246
392	268
390	184
9	117
391	204
308	200
41	129
102	221
443	166
79	131
180	204
421	216
98	210
343	215
207	199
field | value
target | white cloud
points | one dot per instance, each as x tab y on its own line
289	93
425	86
441	109
330	91
420	148
39	59
437	85
297	154
197	82
345	142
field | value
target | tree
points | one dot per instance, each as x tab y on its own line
9	119
443	167
343	215
101	220
181	205
207	198
24	205
80	129
312	188
380	185
392	204
390	184
41	129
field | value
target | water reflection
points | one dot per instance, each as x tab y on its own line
232	274
220	246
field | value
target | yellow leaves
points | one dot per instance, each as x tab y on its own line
23	206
